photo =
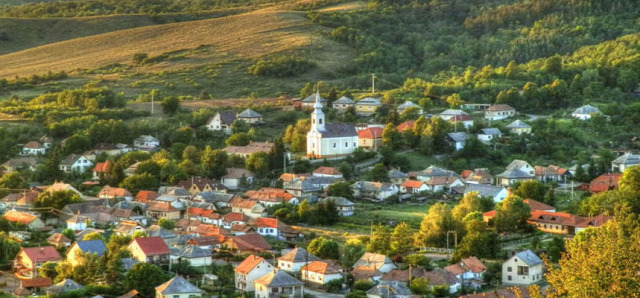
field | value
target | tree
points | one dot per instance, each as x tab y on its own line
69	233
380	240
478	241
630	181
137	182
340	189
401	239
258	164
435	226
325	213
532	189
57	199
420	286
13	181
512	214
48	269
214	162
304	209
351	252
324	248
93	236
144	277
150	167
296	135
167	223
454	100
238	139
391	136
139	234
118	243
600	262
170	105
240	126
553	65
417	260
378	173
470	202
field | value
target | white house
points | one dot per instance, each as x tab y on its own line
450	113
457	139
499	112
387	289
585	112
623	162
409	104
522	166
486	135
221	121
77	222
75	162
275	228
524	268
278	284
235	176
444	183
518	127
469	270
178	287
413	186
146	142
320	272
327	172
329	139
194	254
496	193
463	119
344	206
249	116
252	268
33	148
380	262
376	190
296	259
343	103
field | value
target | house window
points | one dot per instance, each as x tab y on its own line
509	269
522	270
335	145
509	277
346	144
320	121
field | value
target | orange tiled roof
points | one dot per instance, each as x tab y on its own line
604	182
321	267
234	216
327	171
265	222
466	174
19	217
200	211
248	264
370	133
146	195
535	205
413	184
102	167
114	191
42	253
407	125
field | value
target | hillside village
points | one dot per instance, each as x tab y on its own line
245	234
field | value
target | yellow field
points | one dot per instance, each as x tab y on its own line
247	35
349	6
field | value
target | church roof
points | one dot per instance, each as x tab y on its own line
337	130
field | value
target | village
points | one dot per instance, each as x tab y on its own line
240	233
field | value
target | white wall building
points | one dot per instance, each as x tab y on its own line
329	139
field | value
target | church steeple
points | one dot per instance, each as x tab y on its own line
317	117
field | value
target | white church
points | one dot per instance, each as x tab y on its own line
329	139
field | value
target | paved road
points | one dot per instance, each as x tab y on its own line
322	294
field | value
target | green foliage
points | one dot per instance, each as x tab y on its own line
167	223
340	189
351	252
170	105
324	248
214	162
436	225
533	189
93	236
238	139
512	215
69	233
139	234
57	200
417	260
334	286
8	249
420	286
296	135
137	182
48	269
258	164
380	241
401	239
478	241
378	173
144	277
281	67
363	285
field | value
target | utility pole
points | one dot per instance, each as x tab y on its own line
373	83
152	94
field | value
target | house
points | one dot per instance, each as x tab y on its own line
149	250
444	183
250	208
370	138
523	268
146	142
46	141
159	209
109	192
111	149
550	173
475	106
60	186
343	103
29	259
539	206
604	182
101	169
470	270
625	161
409	104
301	189
499	112
379	262
127	228
296	259
329	139
221	121
274	227
252	268
403	276
18	163
232	218
367	106
249	116
251	148
450	113
442	278
59	240
75	162
496	193
432	172
270	196
404	126
78	222
235	178
309	102
389	289
278	283
194	254
375	190
30	220
207	242
487	135
564	223
33	148
585	112
413	186
66	285
196	185
397	177
519	128
246	244
457	139
477	176
83	247
463	119
32	286
178	287
219	199
344	206
511	176
320	272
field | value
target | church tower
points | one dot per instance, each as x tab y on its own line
317	117
314	137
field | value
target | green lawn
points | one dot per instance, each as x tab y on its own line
370	213
418	161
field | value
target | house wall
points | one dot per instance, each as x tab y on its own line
244	282
263	291
291	266
329	147
36	224
554	228
363	109
183	295
251	120
371	144
267	231
499	115
345	210
318	278
520	131
512	277
216	124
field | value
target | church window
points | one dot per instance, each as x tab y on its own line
314	121
346	144
335	145
320	121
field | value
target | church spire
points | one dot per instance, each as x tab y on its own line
317	117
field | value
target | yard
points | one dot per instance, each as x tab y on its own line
419	161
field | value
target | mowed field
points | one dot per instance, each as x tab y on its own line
244	36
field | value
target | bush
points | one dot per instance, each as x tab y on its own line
362	285
281	67
334	286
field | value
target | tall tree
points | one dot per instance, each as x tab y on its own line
380	240
512	214
351	252
401	239
144	277
391	136
436	225
324	248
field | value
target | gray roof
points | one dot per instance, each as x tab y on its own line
146	138
173	190
458	136
312	99
370	258
193	251
249	113
368	101
65	286
92	246
484	190
337	130
340	201
407	104
627	159
529	257
490	131
158	231
368	186
390	289
178	285
433	171
19	161
587	109
70	160
393	174
453	112
303	185
278	278
344	100
298	255
127	263
514	174
227	117
518	124
215	197
517	163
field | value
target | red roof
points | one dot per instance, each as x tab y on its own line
33	145
466	174
114	192
234	216
42	254
38	282
145	196
327	171
413	184
265	222
604	182
535	205
321	267
152	246
371	133
490	214
405	125
248	264
102	167
250	242
20	217
200	211
210	230
460	118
